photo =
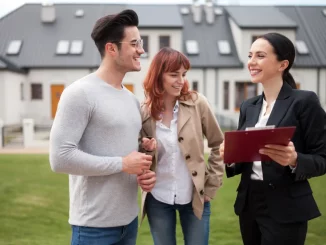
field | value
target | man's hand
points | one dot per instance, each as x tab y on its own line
147	180
136	163
149	144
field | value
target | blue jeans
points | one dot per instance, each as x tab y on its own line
121	235
162	222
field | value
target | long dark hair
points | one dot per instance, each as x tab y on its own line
284	50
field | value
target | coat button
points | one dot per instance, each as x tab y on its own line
271	185
180	139
187	157
194	173
201	192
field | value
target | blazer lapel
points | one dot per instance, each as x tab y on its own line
253	111
282	104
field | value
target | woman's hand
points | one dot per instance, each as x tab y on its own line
149	144
222	150
207	199
283	155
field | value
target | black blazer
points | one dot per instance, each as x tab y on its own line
288	195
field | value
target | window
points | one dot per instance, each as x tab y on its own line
22	97
76	47
226	90
301	47
14	47
218	11
62	47
145	46
37	93
195	86
243	91
184	11
224	47
79	13
164	41
192	47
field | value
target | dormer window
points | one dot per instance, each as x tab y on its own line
301	47
76	47
62	47
192	47
224	47
14	47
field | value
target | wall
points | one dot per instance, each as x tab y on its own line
40	110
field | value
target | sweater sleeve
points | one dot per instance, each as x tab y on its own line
72	117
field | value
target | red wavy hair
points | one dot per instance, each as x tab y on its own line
166	60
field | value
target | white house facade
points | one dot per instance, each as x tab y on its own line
35	66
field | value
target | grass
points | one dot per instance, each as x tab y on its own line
34	207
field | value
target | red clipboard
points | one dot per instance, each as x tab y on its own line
243	145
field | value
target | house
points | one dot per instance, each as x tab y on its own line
44	48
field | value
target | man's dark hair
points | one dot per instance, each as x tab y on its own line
111	28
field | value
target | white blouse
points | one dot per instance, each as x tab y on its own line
173	181
262	121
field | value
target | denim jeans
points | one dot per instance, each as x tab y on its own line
162	222
121	235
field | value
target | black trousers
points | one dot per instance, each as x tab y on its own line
258	228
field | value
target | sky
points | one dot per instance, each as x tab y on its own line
7	6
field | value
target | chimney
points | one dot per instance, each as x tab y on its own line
48	13
196	11
209	12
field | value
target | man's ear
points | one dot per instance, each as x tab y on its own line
111	49
284	65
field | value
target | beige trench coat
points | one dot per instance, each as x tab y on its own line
195	119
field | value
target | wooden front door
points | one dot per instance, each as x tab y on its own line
130	87
56	91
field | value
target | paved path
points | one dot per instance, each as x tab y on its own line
24	151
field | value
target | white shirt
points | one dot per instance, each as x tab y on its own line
173	181
262	121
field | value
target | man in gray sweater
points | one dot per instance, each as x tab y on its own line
94	139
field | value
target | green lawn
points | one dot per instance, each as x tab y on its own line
34	207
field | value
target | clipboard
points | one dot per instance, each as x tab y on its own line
244	145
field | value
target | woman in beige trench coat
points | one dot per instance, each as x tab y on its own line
179	119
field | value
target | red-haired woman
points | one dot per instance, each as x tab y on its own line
178	118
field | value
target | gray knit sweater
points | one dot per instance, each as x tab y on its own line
95	126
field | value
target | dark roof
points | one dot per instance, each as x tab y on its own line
6	64
40	40
157	16
306	60
207	36
314	23
253	17
2	65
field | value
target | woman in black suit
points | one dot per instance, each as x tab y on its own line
274	200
